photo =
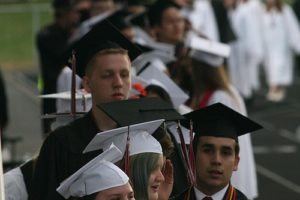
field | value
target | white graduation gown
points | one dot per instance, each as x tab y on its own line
245	178
14	185
247	50
64	83
281	36
203	19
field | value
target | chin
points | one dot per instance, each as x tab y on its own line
153	196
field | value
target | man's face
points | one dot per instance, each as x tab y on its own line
171	29
110	79
215	162
123	192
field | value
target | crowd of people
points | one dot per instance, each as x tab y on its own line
163	92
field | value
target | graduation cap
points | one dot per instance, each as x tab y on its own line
120	19
219	120
155	77
97	175
103	35
208	51
132	111
140	138
63	105
80	94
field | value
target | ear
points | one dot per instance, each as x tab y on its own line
236	163
86	84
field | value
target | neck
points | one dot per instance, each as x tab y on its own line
103	121
208	189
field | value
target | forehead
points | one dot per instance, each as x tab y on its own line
217	141
112	60
171	12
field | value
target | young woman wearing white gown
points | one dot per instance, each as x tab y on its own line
281	36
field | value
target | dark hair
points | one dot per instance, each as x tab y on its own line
164	138
277	5
160	92
156	11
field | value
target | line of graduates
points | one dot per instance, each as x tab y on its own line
165	155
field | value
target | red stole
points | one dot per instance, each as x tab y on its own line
206	96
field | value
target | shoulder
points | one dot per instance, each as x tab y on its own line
73	136
183	195
240	195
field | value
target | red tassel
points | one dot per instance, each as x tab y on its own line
126	156
73	86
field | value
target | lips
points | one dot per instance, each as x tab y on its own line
118	95
155	188
215	173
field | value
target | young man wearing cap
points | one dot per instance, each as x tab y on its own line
216	151
105	68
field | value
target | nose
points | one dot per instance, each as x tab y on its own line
160	177
118	81
216	158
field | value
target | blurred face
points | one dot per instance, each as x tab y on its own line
155	179
123	192
171	29
109	79
102	6
215	161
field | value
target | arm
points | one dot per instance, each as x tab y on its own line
46	174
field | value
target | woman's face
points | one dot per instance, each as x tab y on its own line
123	192
155	179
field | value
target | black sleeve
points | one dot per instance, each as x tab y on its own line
48	170
3	104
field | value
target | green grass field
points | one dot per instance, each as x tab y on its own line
19	24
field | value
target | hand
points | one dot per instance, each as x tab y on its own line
166	187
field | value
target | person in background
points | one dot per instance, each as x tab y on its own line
296	8
279	24
51	42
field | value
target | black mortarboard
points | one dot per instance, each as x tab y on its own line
219	120
128	112
119	19
102	36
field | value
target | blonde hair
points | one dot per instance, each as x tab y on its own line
90	65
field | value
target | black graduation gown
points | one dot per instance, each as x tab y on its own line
3	104
226	32
239	195
180	172
51	42
60	156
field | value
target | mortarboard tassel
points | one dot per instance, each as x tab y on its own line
185	155
73	86
126	156
191	155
